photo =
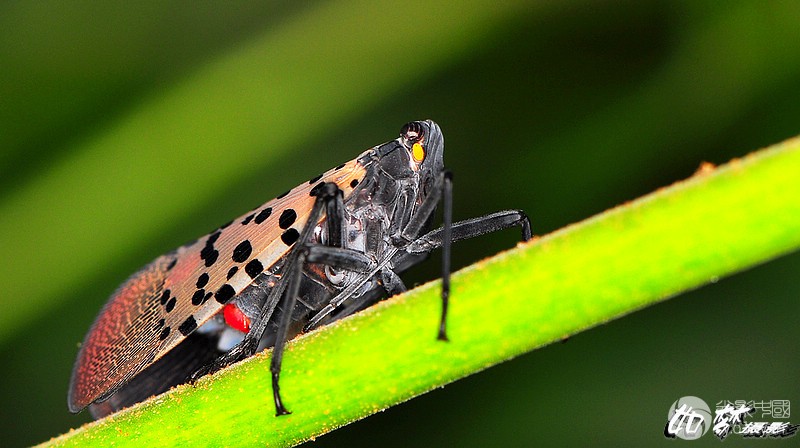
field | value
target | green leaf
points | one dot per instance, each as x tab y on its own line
718	222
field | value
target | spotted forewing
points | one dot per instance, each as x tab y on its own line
160	305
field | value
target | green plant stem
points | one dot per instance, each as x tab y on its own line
716	223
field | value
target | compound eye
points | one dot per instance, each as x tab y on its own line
412	132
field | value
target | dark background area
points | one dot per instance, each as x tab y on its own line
563	110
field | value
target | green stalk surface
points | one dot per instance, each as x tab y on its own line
720	221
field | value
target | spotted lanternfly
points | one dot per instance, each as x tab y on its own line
317	253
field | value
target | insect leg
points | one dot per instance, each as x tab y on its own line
389	279
327	195
444	236
248	346
280	341
424	211
392	282
447	219
334	210
472	228
339	257
442	187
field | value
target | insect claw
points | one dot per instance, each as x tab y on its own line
197	374
280	409
442	334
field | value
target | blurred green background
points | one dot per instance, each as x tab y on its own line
128	130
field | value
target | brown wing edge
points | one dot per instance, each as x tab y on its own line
108	358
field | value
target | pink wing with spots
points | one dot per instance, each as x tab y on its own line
169	298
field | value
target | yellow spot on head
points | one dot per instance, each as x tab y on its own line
418	152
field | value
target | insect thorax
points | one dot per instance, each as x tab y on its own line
380	205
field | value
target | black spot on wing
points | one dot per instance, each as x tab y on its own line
209	255
314	179
171	304
254	268
165	297
164	333
290	236
317	188
202	280
224	294
232	271
263	215
197	297
188	326
284	194
242	252
287	218
249	218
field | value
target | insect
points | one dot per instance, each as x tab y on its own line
317	253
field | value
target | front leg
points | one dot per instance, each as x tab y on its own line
329	193
442	190
444	236
290	284
472	228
